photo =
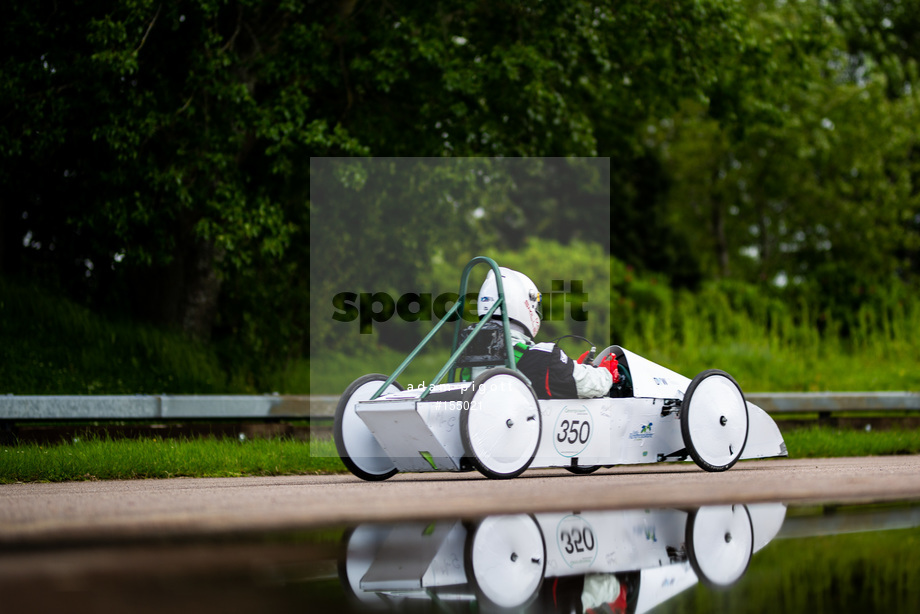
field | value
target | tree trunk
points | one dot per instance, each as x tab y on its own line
202	289
2	237
182	294
718	227
766	253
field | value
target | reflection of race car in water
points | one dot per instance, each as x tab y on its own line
496	424
619	561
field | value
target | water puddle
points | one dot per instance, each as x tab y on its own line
733	558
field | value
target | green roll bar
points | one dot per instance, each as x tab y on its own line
457	310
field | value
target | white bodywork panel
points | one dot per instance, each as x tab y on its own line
622	431
767	519
764	439
431	562
409	572
609	542
651	380
663	583
594	431
406	427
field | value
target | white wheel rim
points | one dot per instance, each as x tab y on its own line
360	444
507	559
723	540
503	424
717	420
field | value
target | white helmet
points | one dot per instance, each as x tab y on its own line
521	296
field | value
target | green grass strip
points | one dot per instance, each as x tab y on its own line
122	459
823	442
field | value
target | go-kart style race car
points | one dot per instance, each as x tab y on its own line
633	560
496	424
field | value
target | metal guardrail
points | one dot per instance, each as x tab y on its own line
830	523
834	402
159	407
186	407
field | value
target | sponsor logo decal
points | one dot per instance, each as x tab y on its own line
643	432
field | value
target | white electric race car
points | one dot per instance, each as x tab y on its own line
496	424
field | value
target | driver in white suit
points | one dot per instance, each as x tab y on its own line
553	374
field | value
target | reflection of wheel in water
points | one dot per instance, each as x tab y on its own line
720	543
505	561
714	420
500	423
354	442
359	548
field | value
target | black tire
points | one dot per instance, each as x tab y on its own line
472	402
582	469
691	414
354	465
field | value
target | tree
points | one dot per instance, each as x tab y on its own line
155	156
883	40
800	175
155	141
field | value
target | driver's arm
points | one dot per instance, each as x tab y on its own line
591	382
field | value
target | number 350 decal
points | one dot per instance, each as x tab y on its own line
573	431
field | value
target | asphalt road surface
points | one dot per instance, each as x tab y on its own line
83	512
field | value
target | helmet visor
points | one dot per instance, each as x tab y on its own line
537	299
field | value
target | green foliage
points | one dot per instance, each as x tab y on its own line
411	226
765	338
54	346
753	333
869	571
882	36
172	142
155	158
332	372
400	213
503	78
800	170
761	335
545	261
